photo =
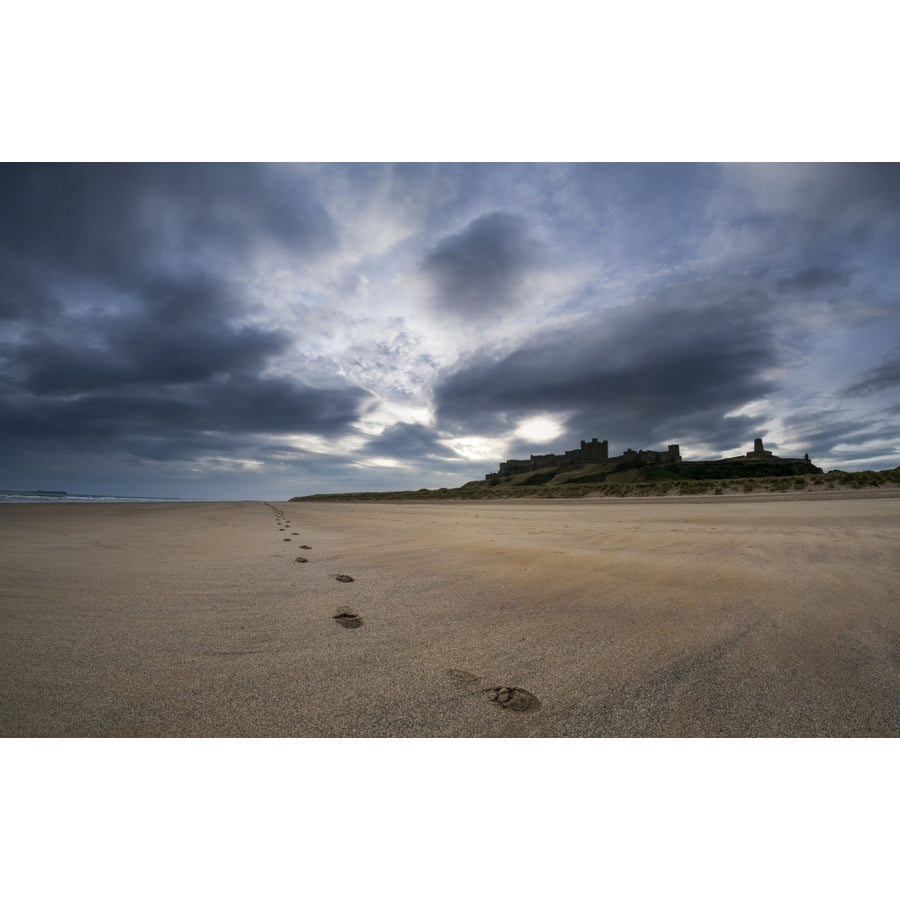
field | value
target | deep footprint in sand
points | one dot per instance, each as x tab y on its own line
342	578
305	547
514	698
301	559
346	618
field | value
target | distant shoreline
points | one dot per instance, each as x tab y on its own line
10	496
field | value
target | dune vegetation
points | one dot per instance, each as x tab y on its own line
649	481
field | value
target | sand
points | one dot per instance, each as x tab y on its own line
710	617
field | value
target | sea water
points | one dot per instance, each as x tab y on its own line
60	497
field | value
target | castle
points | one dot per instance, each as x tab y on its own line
595	451
592	451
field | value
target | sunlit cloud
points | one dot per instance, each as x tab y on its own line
206	465
379	462
325	446
477	448
539	429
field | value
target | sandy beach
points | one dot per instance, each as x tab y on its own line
717	617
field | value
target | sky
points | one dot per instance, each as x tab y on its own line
243	331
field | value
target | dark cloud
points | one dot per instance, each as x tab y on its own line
117	275
880	378
645	371
408	440
176	422
277	405
821	215
480	269
121	222
814	278
179	333
862	196
145	347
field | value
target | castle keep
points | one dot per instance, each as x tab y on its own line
592	451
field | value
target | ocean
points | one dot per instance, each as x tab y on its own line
63	497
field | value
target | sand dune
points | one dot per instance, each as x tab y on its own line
546	618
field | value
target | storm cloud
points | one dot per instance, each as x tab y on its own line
881	378
125	323
815	278
641	372
116	221
479	270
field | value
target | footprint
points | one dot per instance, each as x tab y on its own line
301	559
305	547
295	533
342	578
287	539
514	698
346	618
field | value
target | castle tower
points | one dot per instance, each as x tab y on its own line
596	451
758	452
